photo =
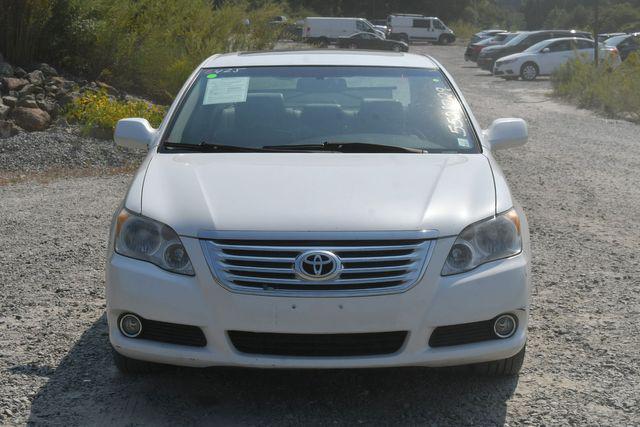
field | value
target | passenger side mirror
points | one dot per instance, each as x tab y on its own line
545	50
506	133
134	133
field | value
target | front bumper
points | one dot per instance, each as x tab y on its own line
492	289
505	70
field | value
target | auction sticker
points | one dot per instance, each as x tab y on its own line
226	90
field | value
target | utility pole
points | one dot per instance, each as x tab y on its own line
596	30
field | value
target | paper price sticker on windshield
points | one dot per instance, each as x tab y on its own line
226	90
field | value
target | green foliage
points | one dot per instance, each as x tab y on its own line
151	46
97	110
463	29
612	90
615	15
21	25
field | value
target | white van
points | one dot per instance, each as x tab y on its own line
410	27
325	30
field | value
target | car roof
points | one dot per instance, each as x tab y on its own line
320	57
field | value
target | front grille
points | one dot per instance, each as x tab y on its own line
369	266
465	333
172	333
318	345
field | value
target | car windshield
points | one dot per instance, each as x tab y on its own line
517	39
258	107
613	41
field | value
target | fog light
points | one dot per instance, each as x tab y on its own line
130	325
505	326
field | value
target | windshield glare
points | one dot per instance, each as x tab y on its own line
255	107
517	39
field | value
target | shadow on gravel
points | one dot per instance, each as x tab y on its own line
86	389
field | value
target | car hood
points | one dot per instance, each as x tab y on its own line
195	193
520	55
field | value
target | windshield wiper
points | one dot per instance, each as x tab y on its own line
205	147
348	147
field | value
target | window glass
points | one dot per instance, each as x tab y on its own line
584	44
438	24
421	23
560	46
361	26
260	106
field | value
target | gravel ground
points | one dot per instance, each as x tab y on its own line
56	151
578	182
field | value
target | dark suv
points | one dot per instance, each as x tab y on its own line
626	44
489	55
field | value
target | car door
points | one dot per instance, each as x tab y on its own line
421	29
554	55
628	45
585	50
369	41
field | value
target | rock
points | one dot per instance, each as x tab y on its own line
28	101
36	77
30	89
67	98
19	72
4	111
31	118
48	106
12	83
11	101
6	70
47	69
8	129
108	88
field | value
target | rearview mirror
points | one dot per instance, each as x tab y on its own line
545	50
506	133
134	133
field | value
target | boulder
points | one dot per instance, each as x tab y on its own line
31	119
36	77
11	101
47	70
6	70
4	111
30	89
12	83
108	88
28	101
8	128
48	106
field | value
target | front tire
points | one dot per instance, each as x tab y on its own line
397	48
445	39
529	71
501	368
129	366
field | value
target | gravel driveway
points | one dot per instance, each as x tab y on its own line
579	183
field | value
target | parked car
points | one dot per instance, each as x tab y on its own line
474	49
319	209
625	44
381	24
409	28
605	36
326	30
545	57
523	41
372	42
485	34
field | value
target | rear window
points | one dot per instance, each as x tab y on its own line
261	106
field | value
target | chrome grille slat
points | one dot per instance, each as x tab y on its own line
372	263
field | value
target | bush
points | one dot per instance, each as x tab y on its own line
612	90
97	111
463	29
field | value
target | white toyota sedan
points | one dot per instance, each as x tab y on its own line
543	58
319	209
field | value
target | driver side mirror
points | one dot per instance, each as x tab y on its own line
506	133
134	133
545	50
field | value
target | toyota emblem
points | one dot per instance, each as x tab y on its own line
317	265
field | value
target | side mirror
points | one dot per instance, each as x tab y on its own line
506	133
134	133
545	50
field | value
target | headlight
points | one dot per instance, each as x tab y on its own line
506	61
148	240
485	241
